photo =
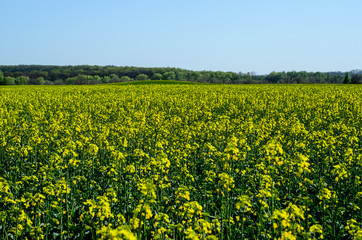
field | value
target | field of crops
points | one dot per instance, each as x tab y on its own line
181	162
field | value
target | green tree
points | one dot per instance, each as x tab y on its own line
169	75
346	79
71	80
54	74
37	81
106	79
318	77
157	76
94	79
41	80
274	77
247	79
195	76
9	80
114	78
58	82
356	79
82	79
142	77
21	80
180	75
125	79
2	78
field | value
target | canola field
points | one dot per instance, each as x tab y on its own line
181	162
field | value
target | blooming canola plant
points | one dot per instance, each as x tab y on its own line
181	162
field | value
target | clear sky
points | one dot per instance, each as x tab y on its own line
238	36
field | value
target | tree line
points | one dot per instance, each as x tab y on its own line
86	74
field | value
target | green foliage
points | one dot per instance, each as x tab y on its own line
356	79
106	79
59	82
125	79
81	79
37	81
114	78
169	76
157	76
9	81
85	74
40	80
162	82
196	76
2	78
21	80
96	79
142	77
71	81
274	77
346	79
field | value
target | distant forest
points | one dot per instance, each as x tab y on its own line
85	74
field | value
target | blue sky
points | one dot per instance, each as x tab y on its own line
239	36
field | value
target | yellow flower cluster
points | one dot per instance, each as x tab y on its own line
181	162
